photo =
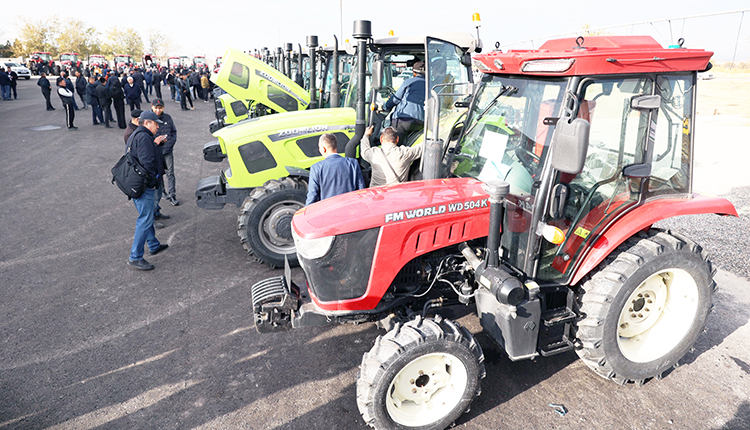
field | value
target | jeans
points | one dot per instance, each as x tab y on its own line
149	88
169	173
144	225
96	114
6	92
172	90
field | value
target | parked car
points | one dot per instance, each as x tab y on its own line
20	70
705	75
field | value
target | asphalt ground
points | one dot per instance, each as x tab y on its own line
86	342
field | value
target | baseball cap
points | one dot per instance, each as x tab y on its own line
136	113
151	116
157	102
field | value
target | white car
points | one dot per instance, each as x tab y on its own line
705	75
20	70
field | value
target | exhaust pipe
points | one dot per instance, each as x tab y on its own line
335	85
288	60
362	32
312	43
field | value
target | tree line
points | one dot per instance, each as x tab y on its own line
50	35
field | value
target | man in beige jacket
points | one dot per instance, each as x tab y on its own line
390	162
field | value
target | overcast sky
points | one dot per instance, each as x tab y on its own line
209	27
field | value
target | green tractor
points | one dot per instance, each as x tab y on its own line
240	103
269	156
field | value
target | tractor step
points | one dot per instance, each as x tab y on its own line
558	317
274	302
557	347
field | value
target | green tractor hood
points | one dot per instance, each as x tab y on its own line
246	78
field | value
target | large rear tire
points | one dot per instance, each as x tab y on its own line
265	221
645	307
420	375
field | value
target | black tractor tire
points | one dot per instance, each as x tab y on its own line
27	77
644	307
265	221
420	375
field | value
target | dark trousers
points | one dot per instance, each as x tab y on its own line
172	90
196	91
189	99
96	114
406	127
145	95
183	100
134	104
119	105
70	114
46	98
107	113
13	89
157	90
83	99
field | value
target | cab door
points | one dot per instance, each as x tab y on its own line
447	75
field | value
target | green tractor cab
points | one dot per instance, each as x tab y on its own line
268	156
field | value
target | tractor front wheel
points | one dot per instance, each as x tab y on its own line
645	307
420	375
265	220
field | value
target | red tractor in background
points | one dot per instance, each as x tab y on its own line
69	62
123	60
44	59
538	211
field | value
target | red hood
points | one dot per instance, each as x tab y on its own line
374	207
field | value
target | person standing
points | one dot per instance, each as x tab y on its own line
69	84
143	148
172	84
408	117
205	85
105	100
148	79
133	93
195	82
156	80
118	99
167	129
68	100
138	81
43	82
390	162
81	87
182	90
13	81
93	100
334	175
5	84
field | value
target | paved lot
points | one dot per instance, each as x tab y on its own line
85	342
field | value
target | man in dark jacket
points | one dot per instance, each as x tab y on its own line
13	81
118	99
69	84
133	93
43	82
408	117
167	129
171	82
81	87
5	84
93	99
138	81
105	100
156	80
142	146
68	99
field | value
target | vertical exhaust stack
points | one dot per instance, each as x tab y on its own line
312	43
497	191
335	86
362	32
288	60
280	59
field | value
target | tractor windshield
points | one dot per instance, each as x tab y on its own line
69	57
506	135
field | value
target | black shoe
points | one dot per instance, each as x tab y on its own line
141	264
107	126
162	216
73	128
51	109
161	248
97	123
174	201
158	225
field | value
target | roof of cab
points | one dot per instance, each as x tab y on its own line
596	55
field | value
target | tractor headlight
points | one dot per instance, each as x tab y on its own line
312	249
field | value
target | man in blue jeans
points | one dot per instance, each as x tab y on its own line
143	148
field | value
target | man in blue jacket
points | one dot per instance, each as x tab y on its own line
143	147
409	103
334	175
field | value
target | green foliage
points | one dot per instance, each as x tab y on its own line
124	41
74	36
6	50
37	35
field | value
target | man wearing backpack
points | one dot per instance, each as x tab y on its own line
143	147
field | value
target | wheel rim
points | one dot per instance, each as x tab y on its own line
657	315
427	389
275	228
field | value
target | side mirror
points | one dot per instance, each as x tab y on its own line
645	102
377	75
466	59
569	145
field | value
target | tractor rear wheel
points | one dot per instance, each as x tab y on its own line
265	220
420	375
645	307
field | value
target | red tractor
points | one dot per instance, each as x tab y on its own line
41	62
539	211
122	61
69	62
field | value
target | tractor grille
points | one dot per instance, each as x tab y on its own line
343	273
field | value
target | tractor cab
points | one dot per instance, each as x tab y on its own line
122	61
539	214
69	62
